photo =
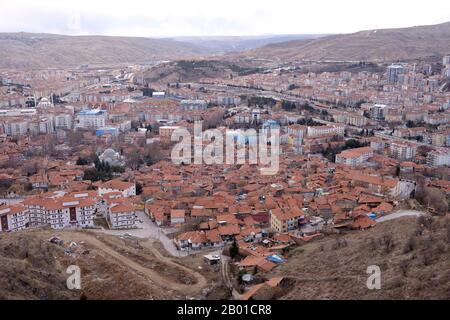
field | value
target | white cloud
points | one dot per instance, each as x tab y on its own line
214	17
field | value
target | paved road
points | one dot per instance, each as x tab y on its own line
148	229
400	214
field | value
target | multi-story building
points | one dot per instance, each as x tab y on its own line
61	212
402	150
121	215
356	120
283	221
337	129
63	121
438	158
355	157
15	127
13	217
446	60
91	119
378	111
165	132
393	73
193	105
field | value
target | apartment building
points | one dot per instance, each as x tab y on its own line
393	73
91	119
336	129
355	120
187	105
15	127
63	121
283	221
402	150
62	212
438	158
165	132
355	157
13	217
121	215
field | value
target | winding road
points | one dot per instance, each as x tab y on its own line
400	214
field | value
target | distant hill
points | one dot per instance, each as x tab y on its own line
226	44
372	45
27	50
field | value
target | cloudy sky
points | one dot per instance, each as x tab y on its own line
150	18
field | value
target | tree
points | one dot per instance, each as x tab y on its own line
138	188
82	162
234	249
432	197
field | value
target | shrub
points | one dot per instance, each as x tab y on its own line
410	245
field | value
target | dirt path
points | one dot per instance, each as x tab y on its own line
192	289
201	280
224	269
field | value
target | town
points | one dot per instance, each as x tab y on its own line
91	157
91	149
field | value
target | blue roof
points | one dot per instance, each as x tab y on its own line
274	258
91	112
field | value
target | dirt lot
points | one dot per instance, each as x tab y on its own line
413	255
111	268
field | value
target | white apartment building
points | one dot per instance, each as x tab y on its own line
355	157
121	215
402	151
437	118
438	158
61	212
15	127
63	121
336	129
13	217
91	119
17	112
193	105
46	125
355	120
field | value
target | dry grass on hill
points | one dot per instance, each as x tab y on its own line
413	255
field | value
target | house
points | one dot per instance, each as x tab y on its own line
128	189
194	240
177	216
251	234
362	222
263	291
256	263
228	232
13	217
214	238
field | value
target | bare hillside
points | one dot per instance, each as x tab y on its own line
413	256
27	50
371	45
111	268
